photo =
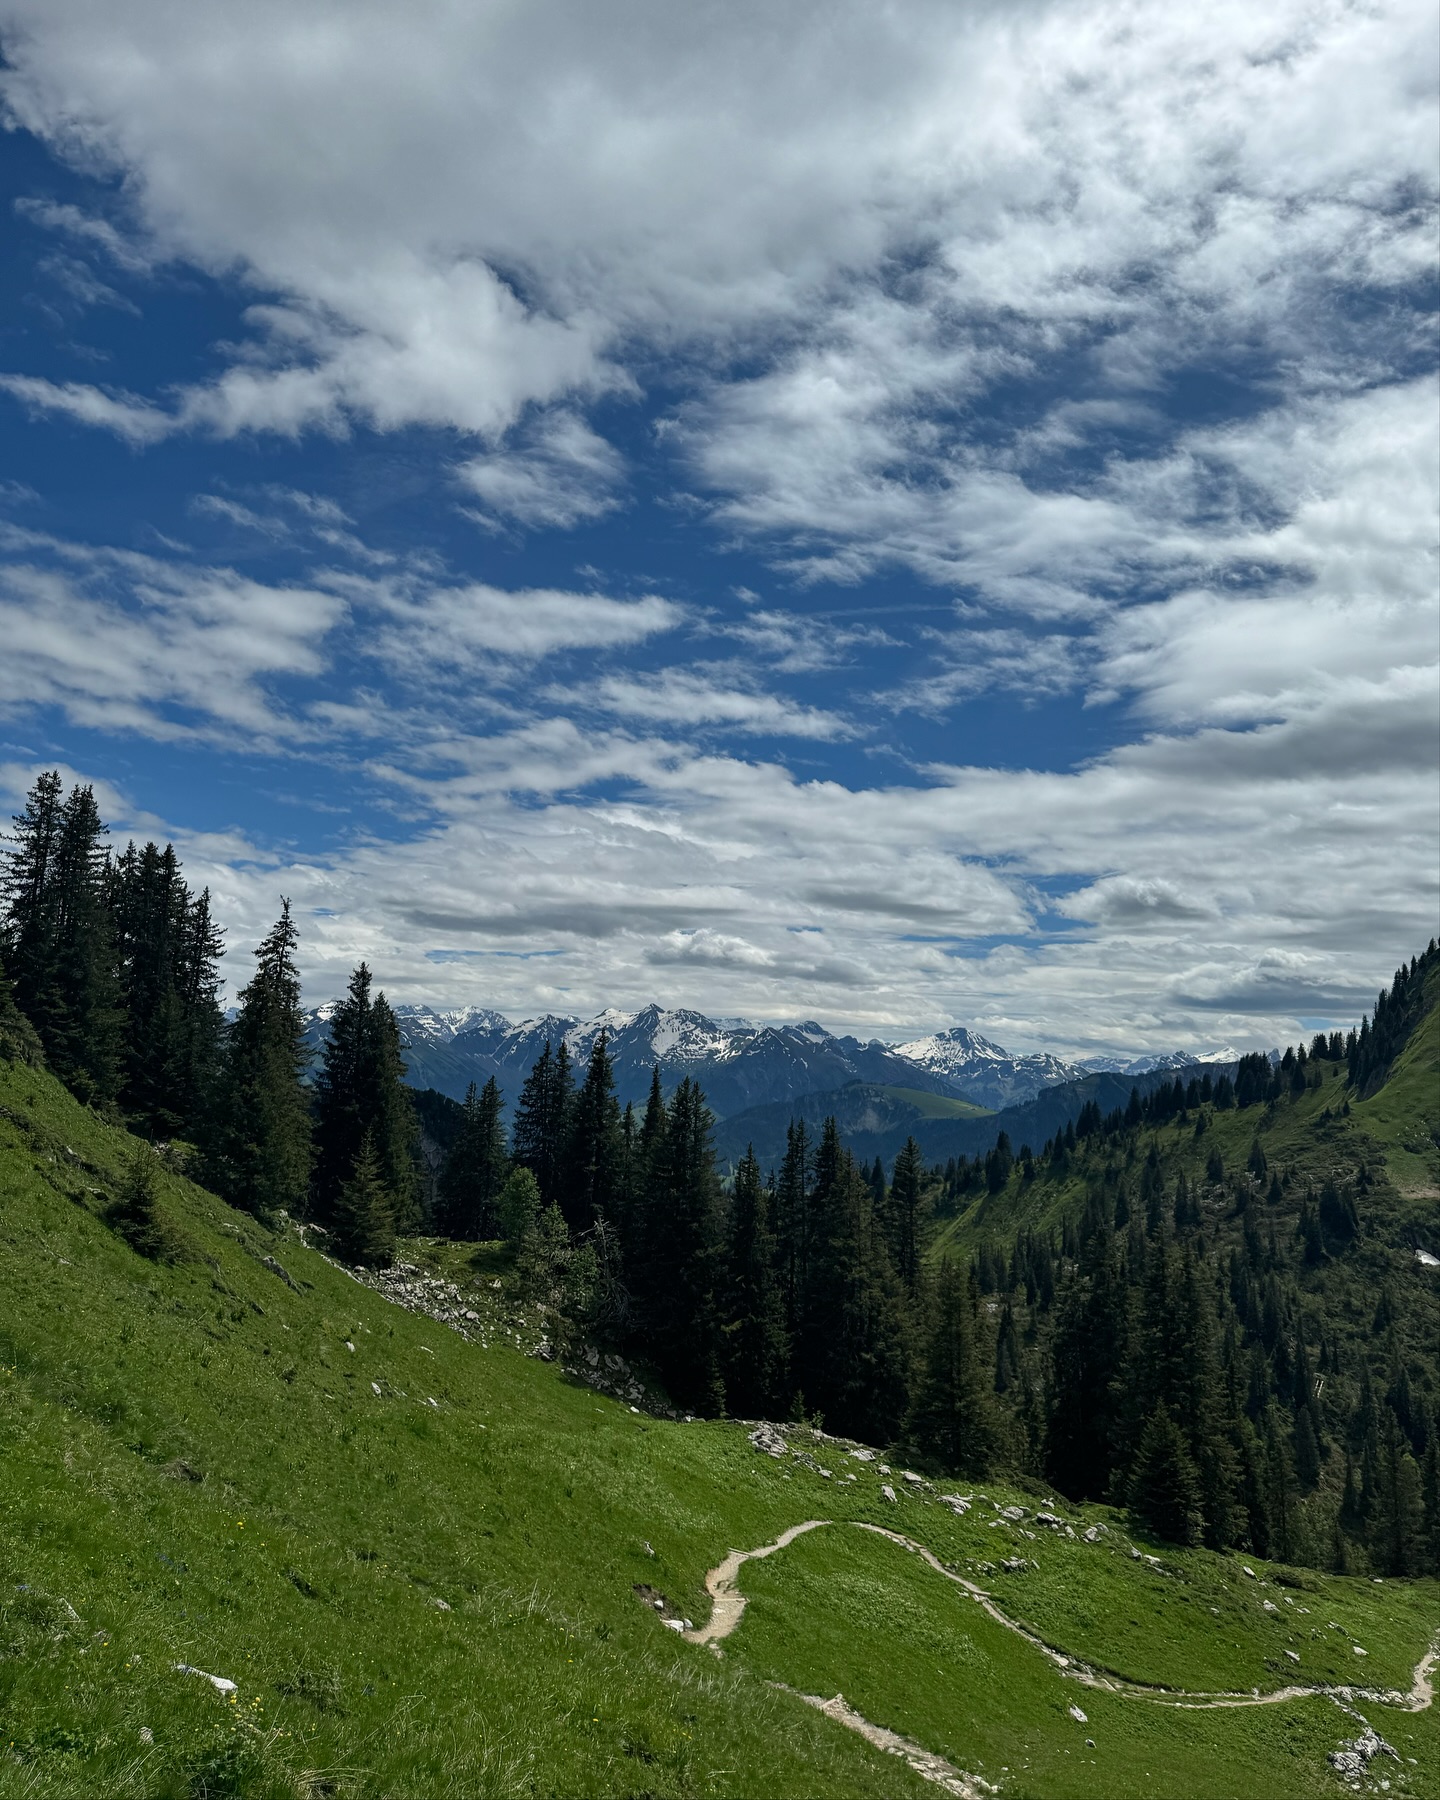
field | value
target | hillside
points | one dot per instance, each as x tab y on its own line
875	1121
428	1560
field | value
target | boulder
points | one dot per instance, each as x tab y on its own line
768	1441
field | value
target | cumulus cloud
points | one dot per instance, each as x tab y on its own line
564	474
1103	322
125	642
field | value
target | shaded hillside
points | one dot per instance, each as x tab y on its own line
875	1121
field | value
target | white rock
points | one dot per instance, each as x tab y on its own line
673	1624
888	1491
220	1683
1077	1715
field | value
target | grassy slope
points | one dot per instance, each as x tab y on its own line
1392	1136
1403	1118
938	1106
307	1564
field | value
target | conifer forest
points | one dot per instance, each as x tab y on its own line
1179	1308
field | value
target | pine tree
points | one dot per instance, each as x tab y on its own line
681	1313
136	1214
1088	1354
58	938
1164	1484
167	949
363	1213
519	1205
953	1423
30	898
258	1154
852	1348
1397	1535
541	1133
19	1041
904	1214
592	1188
793	1194
359	1090
474	1171
753	1321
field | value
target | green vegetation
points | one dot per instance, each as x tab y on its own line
936	1106
199	1471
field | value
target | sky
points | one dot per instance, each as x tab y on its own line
894	515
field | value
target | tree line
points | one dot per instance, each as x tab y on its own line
1166	1348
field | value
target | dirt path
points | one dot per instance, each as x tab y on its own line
727	1602
728	1605
924	1762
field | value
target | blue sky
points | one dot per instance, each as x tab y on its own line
900	517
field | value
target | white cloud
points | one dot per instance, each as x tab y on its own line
564	475
691	697
124	642
428	631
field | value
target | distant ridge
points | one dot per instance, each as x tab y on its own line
740	1065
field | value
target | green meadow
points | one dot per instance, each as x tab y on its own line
418	1556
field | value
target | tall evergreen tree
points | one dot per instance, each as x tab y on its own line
259	1141
31	894
359	1090
793	1195
905	1208
954	1422
852	1348
540	1136
682	1314
1164	1485
363	1214
594	1179
167	950
474	1171
59	939
754	1320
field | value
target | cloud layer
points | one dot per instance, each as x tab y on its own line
1008	434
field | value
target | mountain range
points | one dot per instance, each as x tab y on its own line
740	1065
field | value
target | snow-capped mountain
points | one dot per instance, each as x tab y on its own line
1145	1065
981	1071
738	1064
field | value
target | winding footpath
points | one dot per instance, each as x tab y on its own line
728	1607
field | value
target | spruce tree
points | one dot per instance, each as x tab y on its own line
518	1206
793	1194
754	1321
1397	1534
953	1424
905	1209
1164	1485
167	949
359	1090
682	1311
540	1137
852	1349
592	1187
58	938
19	1041
136	1214
363	1214
258	1151
474	1172
30	898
